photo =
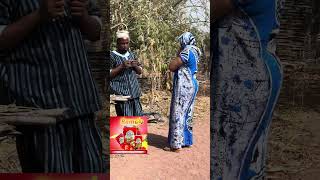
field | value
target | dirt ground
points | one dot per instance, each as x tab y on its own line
9	162
191	163
294	144
294	147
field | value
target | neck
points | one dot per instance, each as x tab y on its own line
121	51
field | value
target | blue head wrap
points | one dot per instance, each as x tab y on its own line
187	39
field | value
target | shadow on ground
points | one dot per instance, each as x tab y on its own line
157	141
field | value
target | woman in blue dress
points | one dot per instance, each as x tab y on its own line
185	88
246	78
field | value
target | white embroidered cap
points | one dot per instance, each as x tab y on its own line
123	34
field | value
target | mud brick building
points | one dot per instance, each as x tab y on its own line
99	53
299	51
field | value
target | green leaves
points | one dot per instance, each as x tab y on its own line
153	26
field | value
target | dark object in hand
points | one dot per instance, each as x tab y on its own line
127	64
78	8
51	9
134	63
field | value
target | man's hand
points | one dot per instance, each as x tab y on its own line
89	26
50	9
21	28
115	71
79	8
134	63
126	64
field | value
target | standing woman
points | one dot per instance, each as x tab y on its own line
246	81
185	88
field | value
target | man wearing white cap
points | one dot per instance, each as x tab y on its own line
123	73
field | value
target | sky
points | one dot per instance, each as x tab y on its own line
198	13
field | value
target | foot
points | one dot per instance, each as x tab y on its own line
171	149
186	146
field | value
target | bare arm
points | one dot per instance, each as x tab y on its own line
175	64
136	67
115	71
88	25
126	64
15	32
221	8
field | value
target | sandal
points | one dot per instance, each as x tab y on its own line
171	149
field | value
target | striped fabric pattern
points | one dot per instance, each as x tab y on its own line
76	147
125	83
190	51
49	69
129	108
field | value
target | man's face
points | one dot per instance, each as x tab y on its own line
123	45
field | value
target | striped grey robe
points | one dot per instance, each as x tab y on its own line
49	69
126	84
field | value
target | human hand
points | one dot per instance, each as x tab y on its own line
134	63
126	64
79	8
51	9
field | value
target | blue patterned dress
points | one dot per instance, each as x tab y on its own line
246	81
185	88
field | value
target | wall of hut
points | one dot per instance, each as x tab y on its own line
98	53
299	51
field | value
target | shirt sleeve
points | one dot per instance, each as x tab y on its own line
112	62
5	12
184	55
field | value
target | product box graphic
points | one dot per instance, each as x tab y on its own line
128	135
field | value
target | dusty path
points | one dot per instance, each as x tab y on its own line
192	163
294	145
294	149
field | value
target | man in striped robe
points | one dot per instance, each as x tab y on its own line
123	73
44	64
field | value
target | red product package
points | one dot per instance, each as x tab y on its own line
128	135
138	131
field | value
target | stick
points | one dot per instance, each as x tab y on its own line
34	117
43	112
5	128
29	120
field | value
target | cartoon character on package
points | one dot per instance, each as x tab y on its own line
129	134
138	142
120	140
